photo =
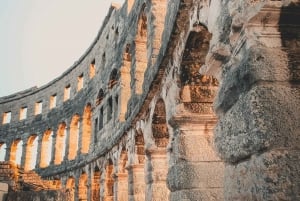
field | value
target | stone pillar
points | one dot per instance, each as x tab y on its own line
95	186
89	185
38	159
24	150
157	169
76	189
102	185
158	10
122	186
54	136
196	173
7	152
115	186
258	102
79	143
67	144
136	182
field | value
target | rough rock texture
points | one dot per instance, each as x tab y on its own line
174	100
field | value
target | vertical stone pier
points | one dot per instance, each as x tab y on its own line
258	103
197	173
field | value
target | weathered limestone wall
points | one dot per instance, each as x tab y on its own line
133	118
41	195
255	53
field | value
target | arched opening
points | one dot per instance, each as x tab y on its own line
197	91
109	182
113	78
70	189
74	137
96	185
46	149
125	82
86	128
2	151
16	151
82	188
141	51
31	152
60	146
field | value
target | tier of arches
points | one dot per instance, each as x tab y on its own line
131	170
53	146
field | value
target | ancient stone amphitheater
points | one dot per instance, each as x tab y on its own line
134	118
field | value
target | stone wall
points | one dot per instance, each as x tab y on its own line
134	118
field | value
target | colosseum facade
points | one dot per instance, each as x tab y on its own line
174	100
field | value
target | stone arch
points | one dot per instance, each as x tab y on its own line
141	51
195	87
125	82
46	148
86	128
96	184
70	189
74	136
16	151
60	145
113	78
82	187
31	152
3	147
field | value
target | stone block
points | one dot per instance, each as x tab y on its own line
273	175
267	116
195	175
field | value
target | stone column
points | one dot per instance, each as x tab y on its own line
76	189
136	182
79	145
196	173
7	152
24	150
122	186
258	103
67	144
158	10
89	185
54	136
157	166
38	159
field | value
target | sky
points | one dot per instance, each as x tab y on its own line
40	39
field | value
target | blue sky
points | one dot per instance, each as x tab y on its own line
40	39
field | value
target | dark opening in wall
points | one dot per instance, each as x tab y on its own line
67	92
80	82
6	117
53	101
103	59
100	97
113	78
92	68
96	129
38	107
116	107
109	109
101	119
23	113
